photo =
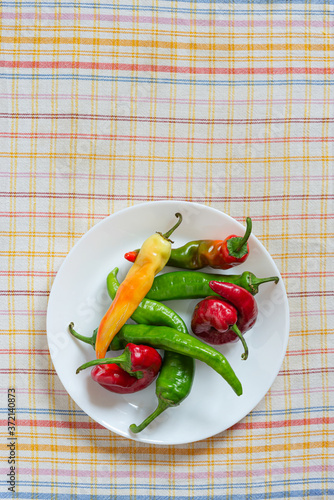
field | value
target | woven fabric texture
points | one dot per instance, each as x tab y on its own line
108	105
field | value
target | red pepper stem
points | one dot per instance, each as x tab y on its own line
122	358
247	234
236	330
162	406
167	235
88	340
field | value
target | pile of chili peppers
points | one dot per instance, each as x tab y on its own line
226	311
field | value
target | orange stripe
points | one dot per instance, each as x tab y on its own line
115	42
249	448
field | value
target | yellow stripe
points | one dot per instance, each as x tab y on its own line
248	450
193	46
181	159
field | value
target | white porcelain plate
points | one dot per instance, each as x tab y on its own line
79	294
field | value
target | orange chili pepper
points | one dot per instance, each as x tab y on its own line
151	259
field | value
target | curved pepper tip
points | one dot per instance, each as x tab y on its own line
102	342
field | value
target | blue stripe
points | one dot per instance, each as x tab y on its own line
307	493
214	7
266	2
289	411
265	413
178	487
168	81
42	411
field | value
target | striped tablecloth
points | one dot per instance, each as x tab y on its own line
106	105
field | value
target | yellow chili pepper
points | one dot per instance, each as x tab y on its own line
152	258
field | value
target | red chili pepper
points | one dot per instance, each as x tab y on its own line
214	321
234	249
218	254
241	299
130	372
220	321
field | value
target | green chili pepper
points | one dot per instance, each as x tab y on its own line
176	375
172	386
169	339
195	284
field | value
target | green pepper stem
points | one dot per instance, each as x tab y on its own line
236	330
103	361
88	340
244	240
259	281
167	235
162	406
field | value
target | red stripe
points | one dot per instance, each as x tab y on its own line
309	274
55	423
164	68
100	196
272	424
306	371
66	215
27	371
309	351
29	293
285	423
150	119
327	293
38	293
